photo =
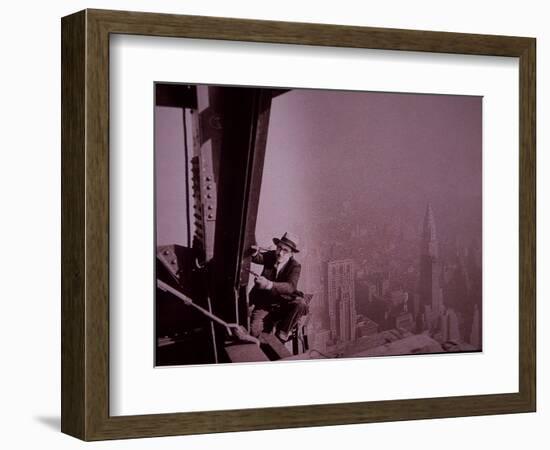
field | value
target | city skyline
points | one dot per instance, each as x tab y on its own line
440	298
389	187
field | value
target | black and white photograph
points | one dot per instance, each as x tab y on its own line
361	224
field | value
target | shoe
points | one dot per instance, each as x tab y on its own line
283	337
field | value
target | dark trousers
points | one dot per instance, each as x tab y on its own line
283	316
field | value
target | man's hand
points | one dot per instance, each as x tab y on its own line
263	283
256	249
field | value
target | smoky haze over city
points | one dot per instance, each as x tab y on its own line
385	193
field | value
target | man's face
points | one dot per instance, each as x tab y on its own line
283	253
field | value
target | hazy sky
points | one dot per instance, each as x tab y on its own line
171	170
385	153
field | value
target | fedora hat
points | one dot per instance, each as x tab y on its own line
288	240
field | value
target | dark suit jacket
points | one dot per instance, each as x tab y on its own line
284	285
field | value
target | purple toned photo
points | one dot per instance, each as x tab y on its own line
299	224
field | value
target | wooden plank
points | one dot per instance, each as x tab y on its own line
273	347
245	353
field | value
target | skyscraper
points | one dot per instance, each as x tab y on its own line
429	289
341	300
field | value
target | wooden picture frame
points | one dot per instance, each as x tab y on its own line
85	224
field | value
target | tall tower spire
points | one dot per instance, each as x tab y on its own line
429	290
429	235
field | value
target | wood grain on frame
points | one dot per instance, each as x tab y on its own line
85	224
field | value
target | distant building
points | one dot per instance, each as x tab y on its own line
379	283
319	341
378	311
312	282
448	327
341	300
429	289
345	320
366	327
399	298
405	322
475	335
453	327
